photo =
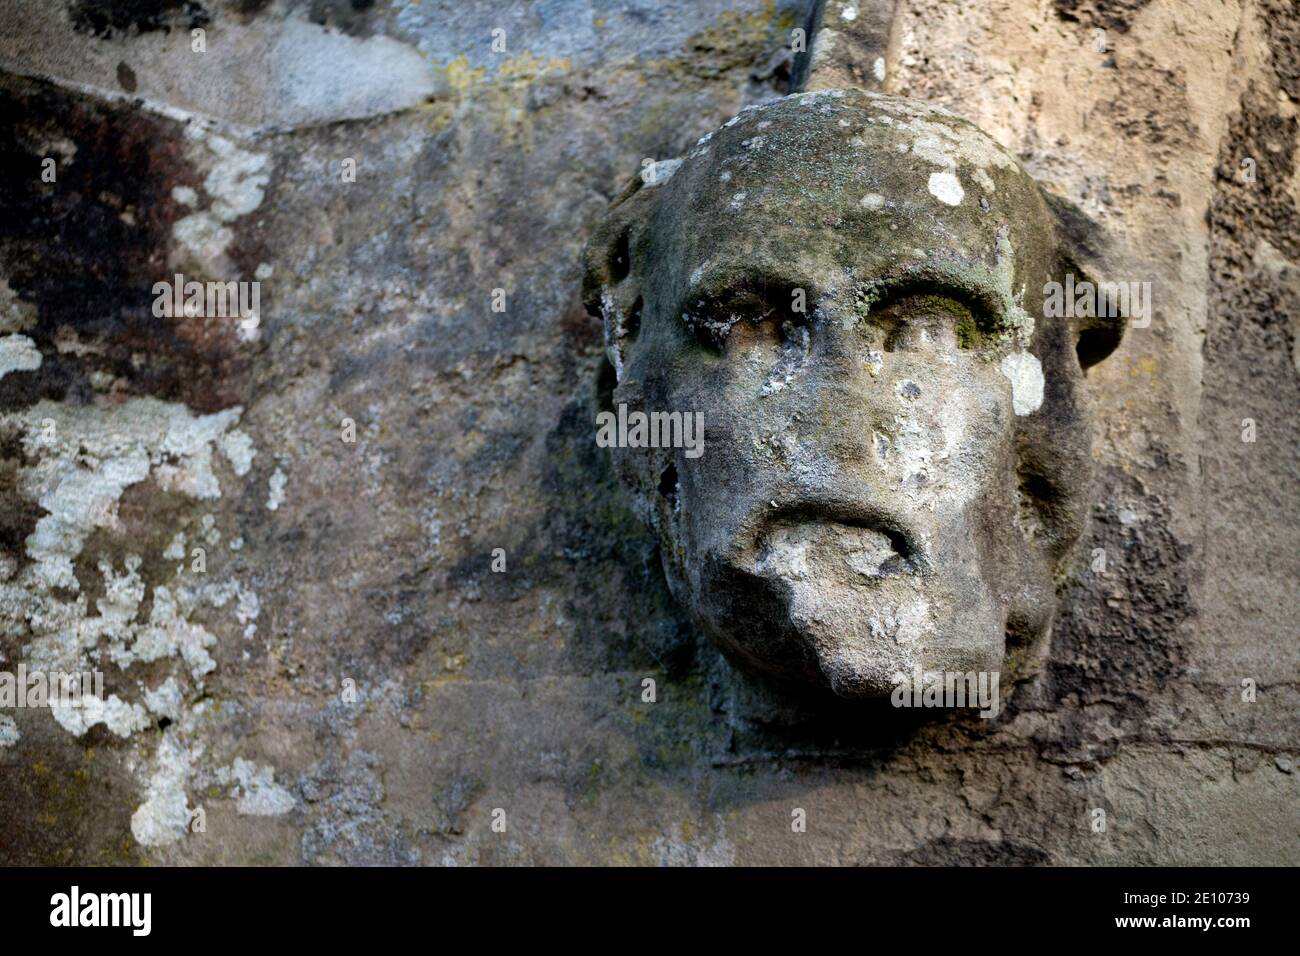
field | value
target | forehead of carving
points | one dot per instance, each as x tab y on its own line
896	134
846	181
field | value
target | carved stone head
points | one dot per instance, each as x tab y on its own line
849	288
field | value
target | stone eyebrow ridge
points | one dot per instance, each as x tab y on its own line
984	300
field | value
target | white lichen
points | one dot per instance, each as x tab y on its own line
175	551
256	792
165	699
77	463
1025	373
663	171
239	451
235	183
167	634
117	715
946	188
85	458
615	331
164	817
18	353
942	139
275	495
319	74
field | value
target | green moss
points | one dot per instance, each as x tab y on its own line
969	334
64	811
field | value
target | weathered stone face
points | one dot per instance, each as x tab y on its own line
849	288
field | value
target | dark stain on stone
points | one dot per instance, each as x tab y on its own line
108	18
18	513
65	805
248	9
582	335
1114	15
349	16
406	632
453	800
1281	19
1116	639
126	77
1242	212
947	851
86	250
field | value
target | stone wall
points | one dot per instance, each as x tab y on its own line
348	680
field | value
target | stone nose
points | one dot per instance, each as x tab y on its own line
891	425
877	377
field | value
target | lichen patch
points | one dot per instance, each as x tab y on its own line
18	353
1025	373
946	188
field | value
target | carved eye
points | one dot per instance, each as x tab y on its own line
922	321
770	344
620	259
749	321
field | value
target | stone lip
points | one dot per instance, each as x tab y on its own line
903	541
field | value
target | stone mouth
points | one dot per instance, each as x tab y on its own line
813	540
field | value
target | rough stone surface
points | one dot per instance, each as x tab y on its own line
376	691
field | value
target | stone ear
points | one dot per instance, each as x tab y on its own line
1085	254
611	282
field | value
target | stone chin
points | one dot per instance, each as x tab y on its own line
844	607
